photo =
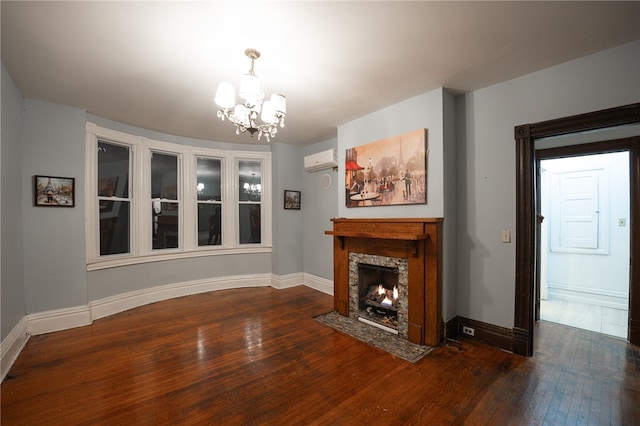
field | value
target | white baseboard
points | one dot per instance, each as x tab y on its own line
281	282
58	319
605	298
318	283
12	345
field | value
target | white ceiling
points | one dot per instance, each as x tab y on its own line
156	65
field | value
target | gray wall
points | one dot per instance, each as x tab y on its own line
114	281
318	208
486	160
450	189
11	259
287	257
54	245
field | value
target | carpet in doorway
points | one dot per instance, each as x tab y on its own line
375	337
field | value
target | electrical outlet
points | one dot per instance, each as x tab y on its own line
468	330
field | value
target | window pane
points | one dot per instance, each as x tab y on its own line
164	176
113	170
209	224
209	179
114	227
250	230
250	180
165	225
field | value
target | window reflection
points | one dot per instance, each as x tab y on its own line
250	229
113	202
208	176
114	227
209	224
165	225
249	180
209	194
164	194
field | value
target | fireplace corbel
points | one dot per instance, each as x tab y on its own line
417	240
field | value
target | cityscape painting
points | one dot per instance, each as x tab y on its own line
51	191
387	172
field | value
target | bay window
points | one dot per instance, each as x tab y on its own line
148	200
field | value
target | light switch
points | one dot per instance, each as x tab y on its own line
622	222
506	236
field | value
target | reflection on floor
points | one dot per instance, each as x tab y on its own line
588	317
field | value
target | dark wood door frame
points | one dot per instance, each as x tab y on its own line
526	214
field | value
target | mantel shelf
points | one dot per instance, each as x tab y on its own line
380	235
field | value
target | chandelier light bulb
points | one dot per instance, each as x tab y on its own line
279	103
250	90
225	95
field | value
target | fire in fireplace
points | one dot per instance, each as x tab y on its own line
378	294
369	276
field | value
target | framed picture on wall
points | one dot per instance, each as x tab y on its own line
291	200
391	171
54	191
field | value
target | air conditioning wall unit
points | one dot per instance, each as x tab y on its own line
322	160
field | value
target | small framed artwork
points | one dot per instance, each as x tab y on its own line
291	200
54	191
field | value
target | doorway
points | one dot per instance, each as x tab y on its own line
528	219
584	241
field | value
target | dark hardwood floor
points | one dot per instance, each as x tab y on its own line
257	356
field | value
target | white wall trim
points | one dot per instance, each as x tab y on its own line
318	283
604	298
12	345
281	282
58	319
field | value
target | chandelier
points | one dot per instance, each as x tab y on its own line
245	115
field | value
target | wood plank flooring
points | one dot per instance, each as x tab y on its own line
257	356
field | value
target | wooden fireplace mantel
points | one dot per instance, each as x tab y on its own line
373	228
419	241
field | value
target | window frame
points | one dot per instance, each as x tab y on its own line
140	231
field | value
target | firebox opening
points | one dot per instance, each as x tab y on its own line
378	294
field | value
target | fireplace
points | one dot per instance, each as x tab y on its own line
378	296
378	291
374	256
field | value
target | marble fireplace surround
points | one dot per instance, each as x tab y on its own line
419	241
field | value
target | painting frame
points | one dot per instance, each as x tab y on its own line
292	199
54	191
388	172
